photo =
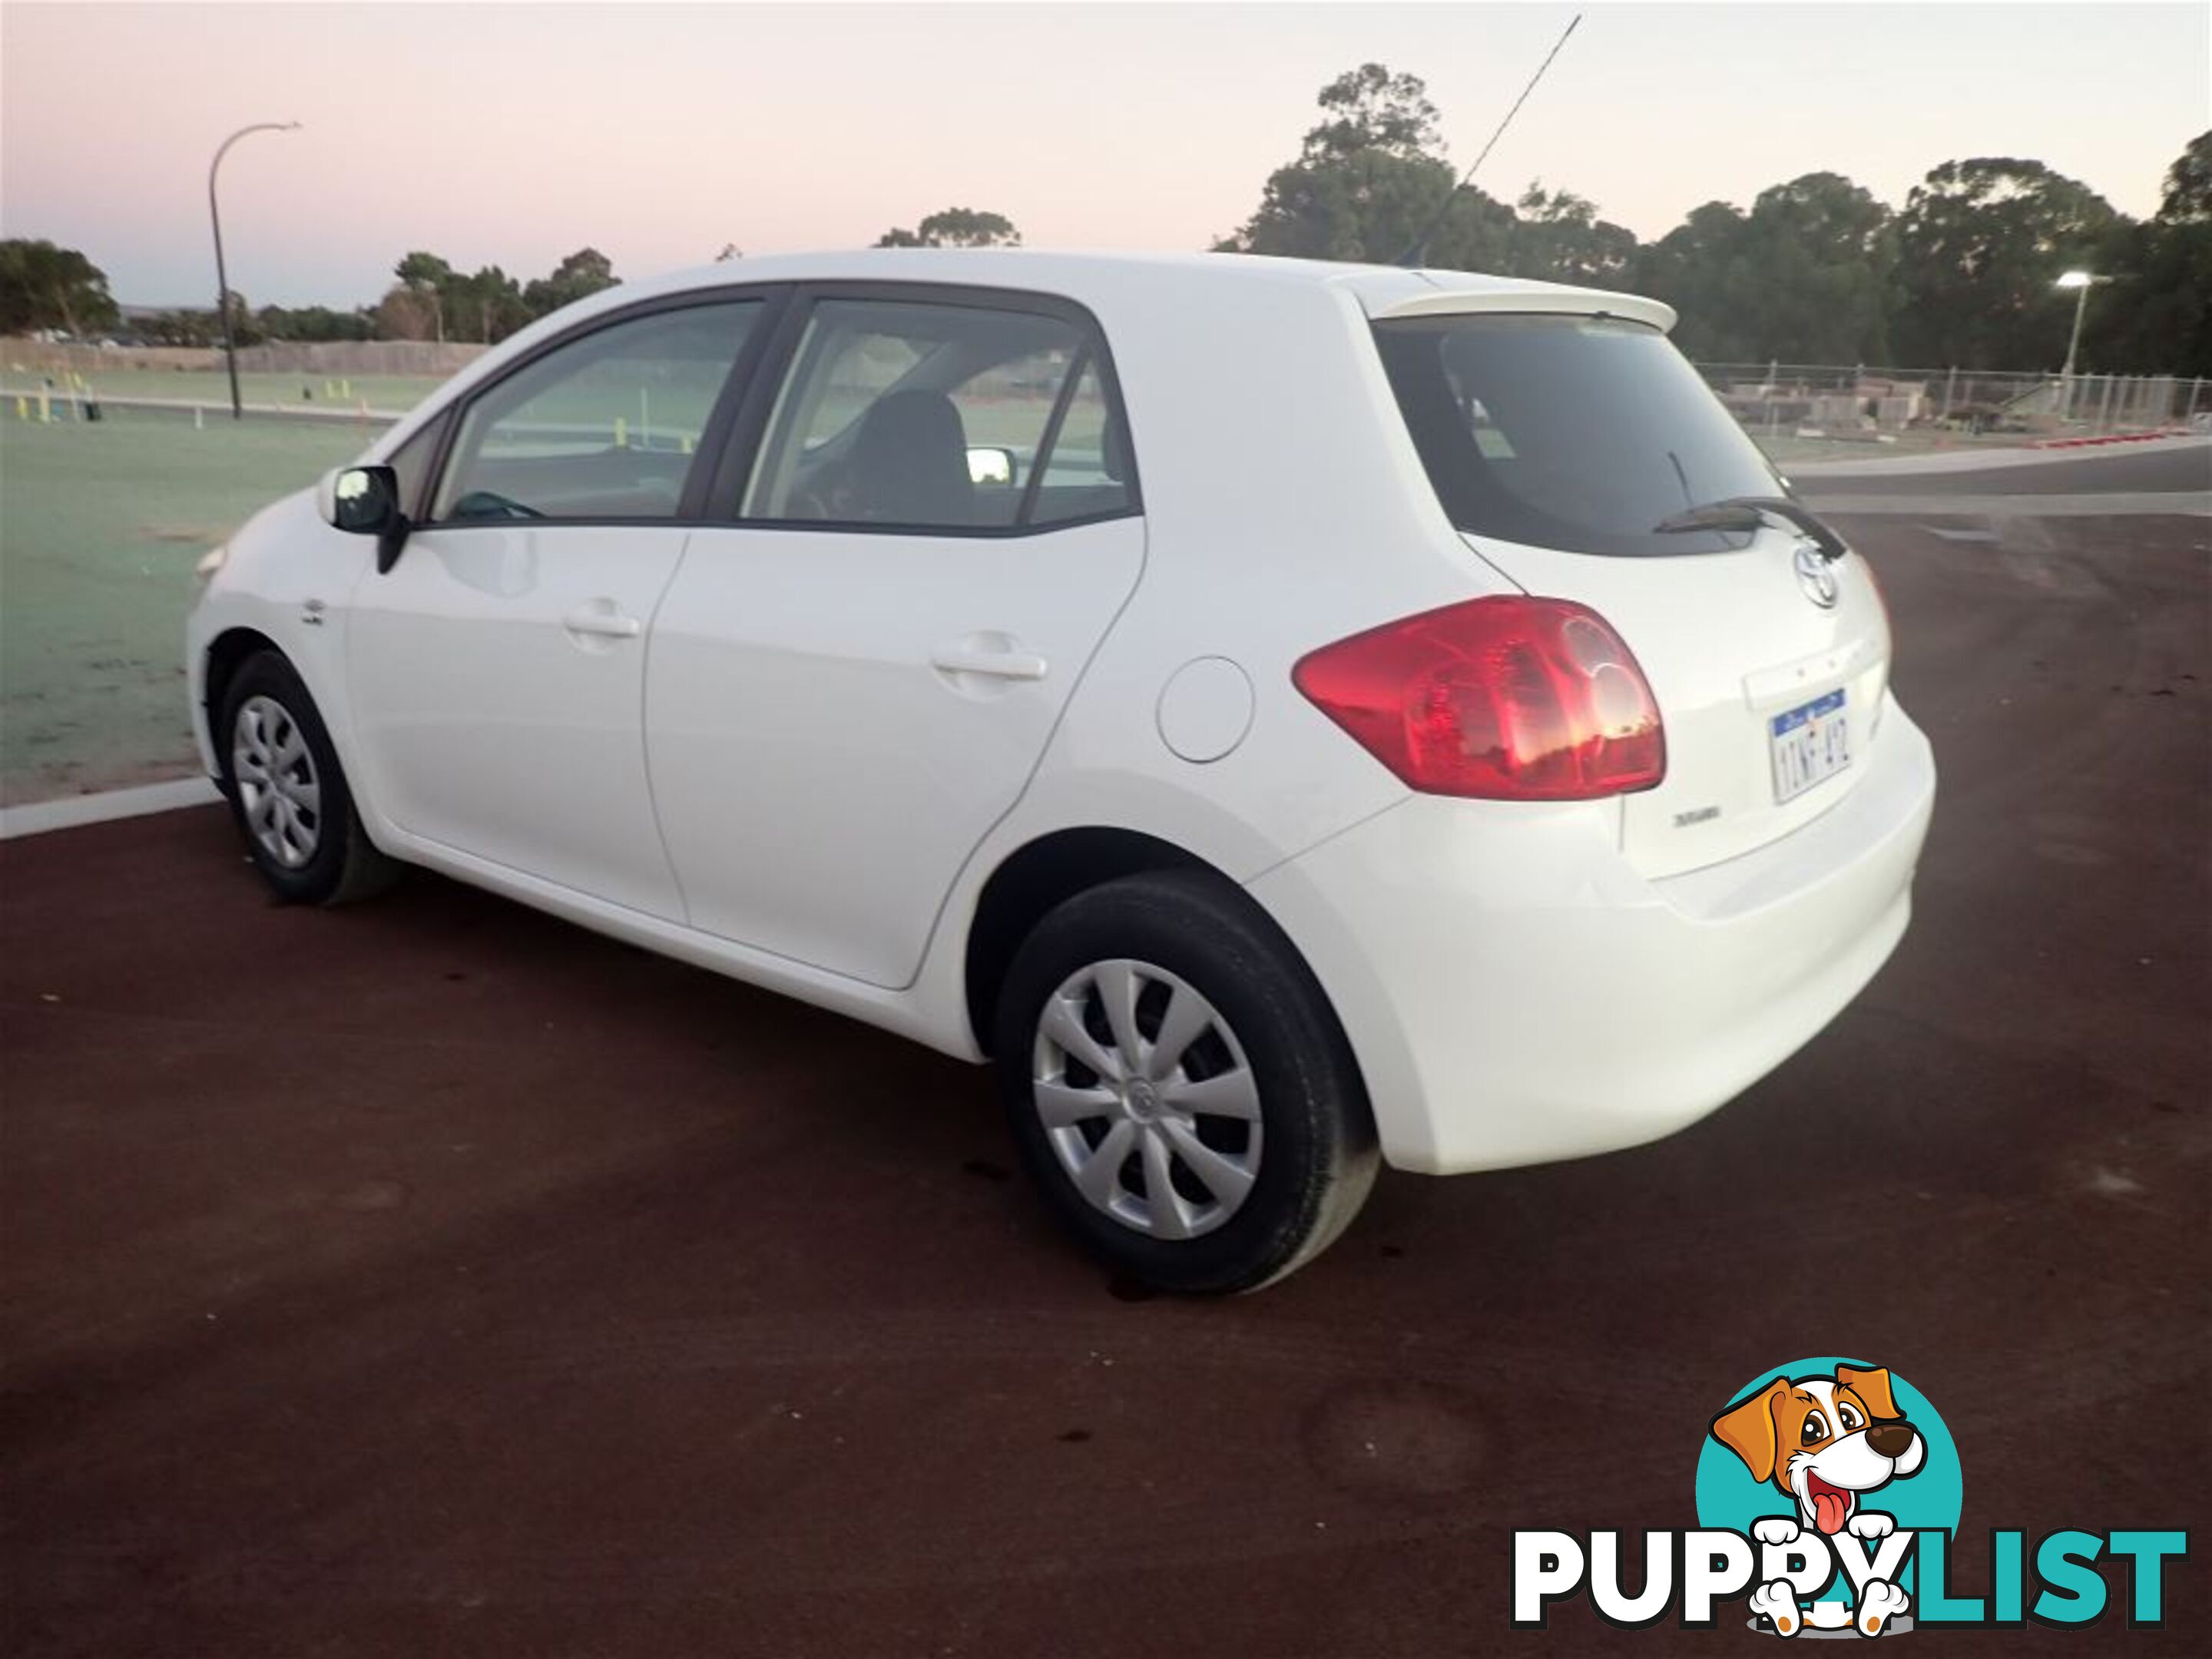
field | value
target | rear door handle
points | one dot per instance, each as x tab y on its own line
609	623
999	665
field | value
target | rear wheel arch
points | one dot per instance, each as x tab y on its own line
1040	875
1033	880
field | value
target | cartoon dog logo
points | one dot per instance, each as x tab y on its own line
1824	1441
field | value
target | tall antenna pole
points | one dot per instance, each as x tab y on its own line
1420	250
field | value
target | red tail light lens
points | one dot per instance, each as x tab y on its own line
1507	699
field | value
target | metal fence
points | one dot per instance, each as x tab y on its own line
1861	403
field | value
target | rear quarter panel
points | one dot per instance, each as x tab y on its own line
1285	508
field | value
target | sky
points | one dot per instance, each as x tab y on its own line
514	134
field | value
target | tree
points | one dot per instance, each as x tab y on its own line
427	275
314	323
406	314
955	227
177	328
1705	268
486	306
583	273
730	251
1370	108
1806	276
1369	180
43	286
1980	244
246	329
2155	315
1558	238
2189	183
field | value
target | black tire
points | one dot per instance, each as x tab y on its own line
344	866
1316	1156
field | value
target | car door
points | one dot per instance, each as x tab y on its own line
497	669
850	683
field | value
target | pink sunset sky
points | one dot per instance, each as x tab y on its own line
512	134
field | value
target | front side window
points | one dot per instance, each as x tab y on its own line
925	416
1578	432
603	427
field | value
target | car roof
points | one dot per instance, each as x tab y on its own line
1092	275
1122	283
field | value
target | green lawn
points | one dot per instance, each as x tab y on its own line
100	527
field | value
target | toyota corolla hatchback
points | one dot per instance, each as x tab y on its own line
1292	717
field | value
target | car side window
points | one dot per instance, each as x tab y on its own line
919	416
1087	474
606	425
411	462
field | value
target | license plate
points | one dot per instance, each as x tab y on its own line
1810	743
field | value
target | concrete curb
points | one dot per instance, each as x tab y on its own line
2116	438
1966	460
2161	504
76	811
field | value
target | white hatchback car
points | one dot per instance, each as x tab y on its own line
1292	716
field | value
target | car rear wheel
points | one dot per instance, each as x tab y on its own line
1179	1087
287	793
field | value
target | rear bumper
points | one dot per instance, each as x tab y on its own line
1515	993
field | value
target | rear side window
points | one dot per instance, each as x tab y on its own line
605	426
1087	472
925	416
1576	433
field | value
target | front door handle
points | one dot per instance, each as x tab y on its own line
999	665
603	620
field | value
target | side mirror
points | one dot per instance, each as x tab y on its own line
364	500
991	463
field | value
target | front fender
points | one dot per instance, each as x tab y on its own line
286	576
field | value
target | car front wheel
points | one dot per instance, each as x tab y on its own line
1179	1087
287	793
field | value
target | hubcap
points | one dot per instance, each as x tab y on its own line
277	789
1147	1099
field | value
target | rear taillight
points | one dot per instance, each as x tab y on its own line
1509	698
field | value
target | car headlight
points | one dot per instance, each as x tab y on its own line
210	561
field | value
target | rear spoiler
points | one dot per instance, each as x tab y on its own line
1539	298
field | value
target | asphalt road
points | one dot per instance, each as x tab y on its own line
434	1278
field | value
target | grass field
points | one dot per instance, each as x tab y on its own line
100	528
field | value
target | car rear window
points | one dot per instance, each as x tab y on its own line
1572	431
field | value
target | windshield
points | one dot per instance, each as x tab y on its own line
1577	433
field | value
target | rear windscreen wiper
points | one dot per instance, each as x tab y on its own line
1753	513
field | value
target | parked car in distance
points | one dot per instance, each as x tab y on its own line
1292	717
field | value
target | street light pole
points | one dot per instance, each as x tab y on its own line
2081	281
2074	342
221	277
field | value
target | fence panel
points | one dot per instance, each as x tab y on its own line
1806	408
